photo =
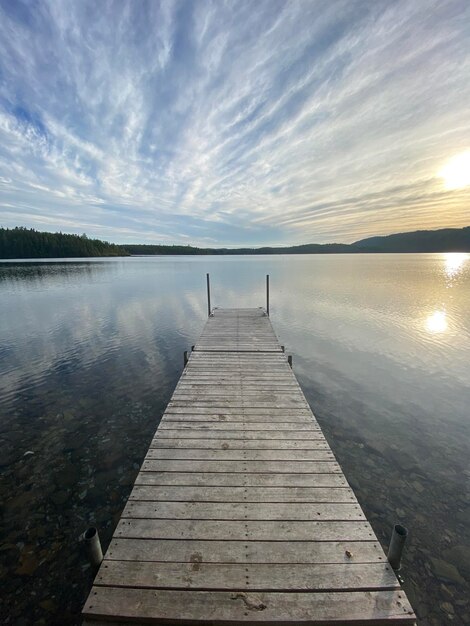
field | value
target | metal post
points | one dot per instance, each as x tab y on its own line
93	546
397	543
208	296
267	294
289	359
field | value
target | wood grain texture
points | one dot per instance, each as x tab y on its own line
244	444
254	577
228	511
369	608
155	493
240	479
190	551
249	530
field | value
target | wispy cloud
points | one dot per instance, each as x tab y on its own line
246	122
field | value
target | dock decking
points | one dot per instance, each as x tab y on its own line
240	513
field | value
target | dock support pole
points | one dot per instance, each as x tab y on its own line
267	294
208	296
289	359
397	543
185	357
92	546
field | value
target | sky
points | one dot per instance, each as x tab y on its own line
234	122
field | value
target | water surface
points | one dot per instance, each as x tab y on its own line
90	351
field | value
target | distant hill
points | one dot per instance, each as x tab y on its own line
443	240
24	243
310	248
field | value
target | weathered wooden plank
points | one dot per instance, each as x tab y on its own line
200	356
272	395
237	348
190	551
371	608
227	403
205	380
241	444
239	369
236	378
253	577
196	410
249	467
218	417
282	373
240	455
234	426
242	494
243	411
318	511
249	530
240	434
272	361
240	479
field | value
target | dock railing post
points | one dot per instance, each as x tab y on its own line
92	546
208	296
267	294
397	543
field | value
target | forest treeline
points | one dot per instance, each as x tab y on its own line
27	243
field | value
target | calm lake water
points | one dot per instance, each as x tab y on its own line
90	351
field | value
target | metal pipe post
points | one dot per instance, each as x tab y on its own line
93	546
267	294
208	296
397	543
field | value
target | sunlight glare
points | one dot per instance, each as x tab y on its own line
454	262
437	322
456	173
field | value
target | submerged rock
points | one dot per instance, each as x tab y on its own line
29	564
446	571
460	557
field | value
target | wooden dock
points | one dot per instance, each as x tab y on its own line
240	513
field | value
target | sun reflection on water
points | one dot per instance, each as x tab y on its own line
437	322
454	263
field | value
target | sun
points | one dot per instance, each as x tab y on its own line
456	172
